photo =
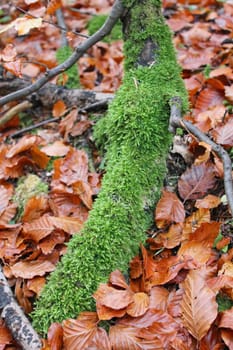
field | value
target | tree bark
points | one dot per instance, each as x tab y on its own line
134	133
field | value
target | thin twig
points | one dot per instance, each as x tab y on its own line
59	26
177	121
62	24
35	126
115	14
15	319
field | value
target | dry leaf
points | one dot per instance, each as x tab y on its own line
199	307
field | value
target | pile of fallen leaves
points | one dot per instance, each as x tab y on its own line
180	289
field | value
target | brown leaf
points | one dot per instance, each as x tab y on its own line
226	320
117	279
229	93
39	228
5	335
40	158
196	181
52	7
224	134
107	313
199	307
56	149
126	338
36	284
139	305
79	333
35	208
208	202
169	210
227	336
101	340
158	298
55	336
73	167
113	298
30	269
24	144
68	224
81	127
83	190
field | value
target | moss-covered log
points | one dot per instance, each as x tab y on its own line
137	141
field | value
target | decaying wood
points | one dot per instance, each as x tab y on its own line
15	319
50	93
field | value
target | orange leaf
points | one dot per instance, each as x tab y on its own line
227	336
79	333
139	305
39	228
57	149
68	224
117	279
169	210
199	307
83	190
229	93
126	338
55	336
158	298
113	298
59	109
209	202
24	144
40	158
107	313
53	6
30	269
35	208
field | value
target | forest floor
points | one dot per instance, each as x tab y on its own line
50	176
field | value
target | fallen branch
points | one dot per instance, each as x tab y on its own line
51	93
176	121
115	14
15	319
13	111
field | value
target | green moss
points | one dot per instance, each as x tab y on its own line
136	141
96	23
62	54
28	186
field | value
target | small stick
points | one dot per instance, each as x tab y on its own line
176	121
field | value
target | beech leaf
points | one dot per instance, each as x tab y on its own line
199	307
79	333
169	210
196	181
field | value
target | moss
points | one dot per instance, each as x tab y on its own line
136	141
96	23
62	54
28	186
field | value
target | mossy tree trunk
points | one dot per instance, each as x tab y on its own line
136	139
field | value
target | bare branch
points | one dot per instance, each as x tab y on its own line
15	318
115	14
177	121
